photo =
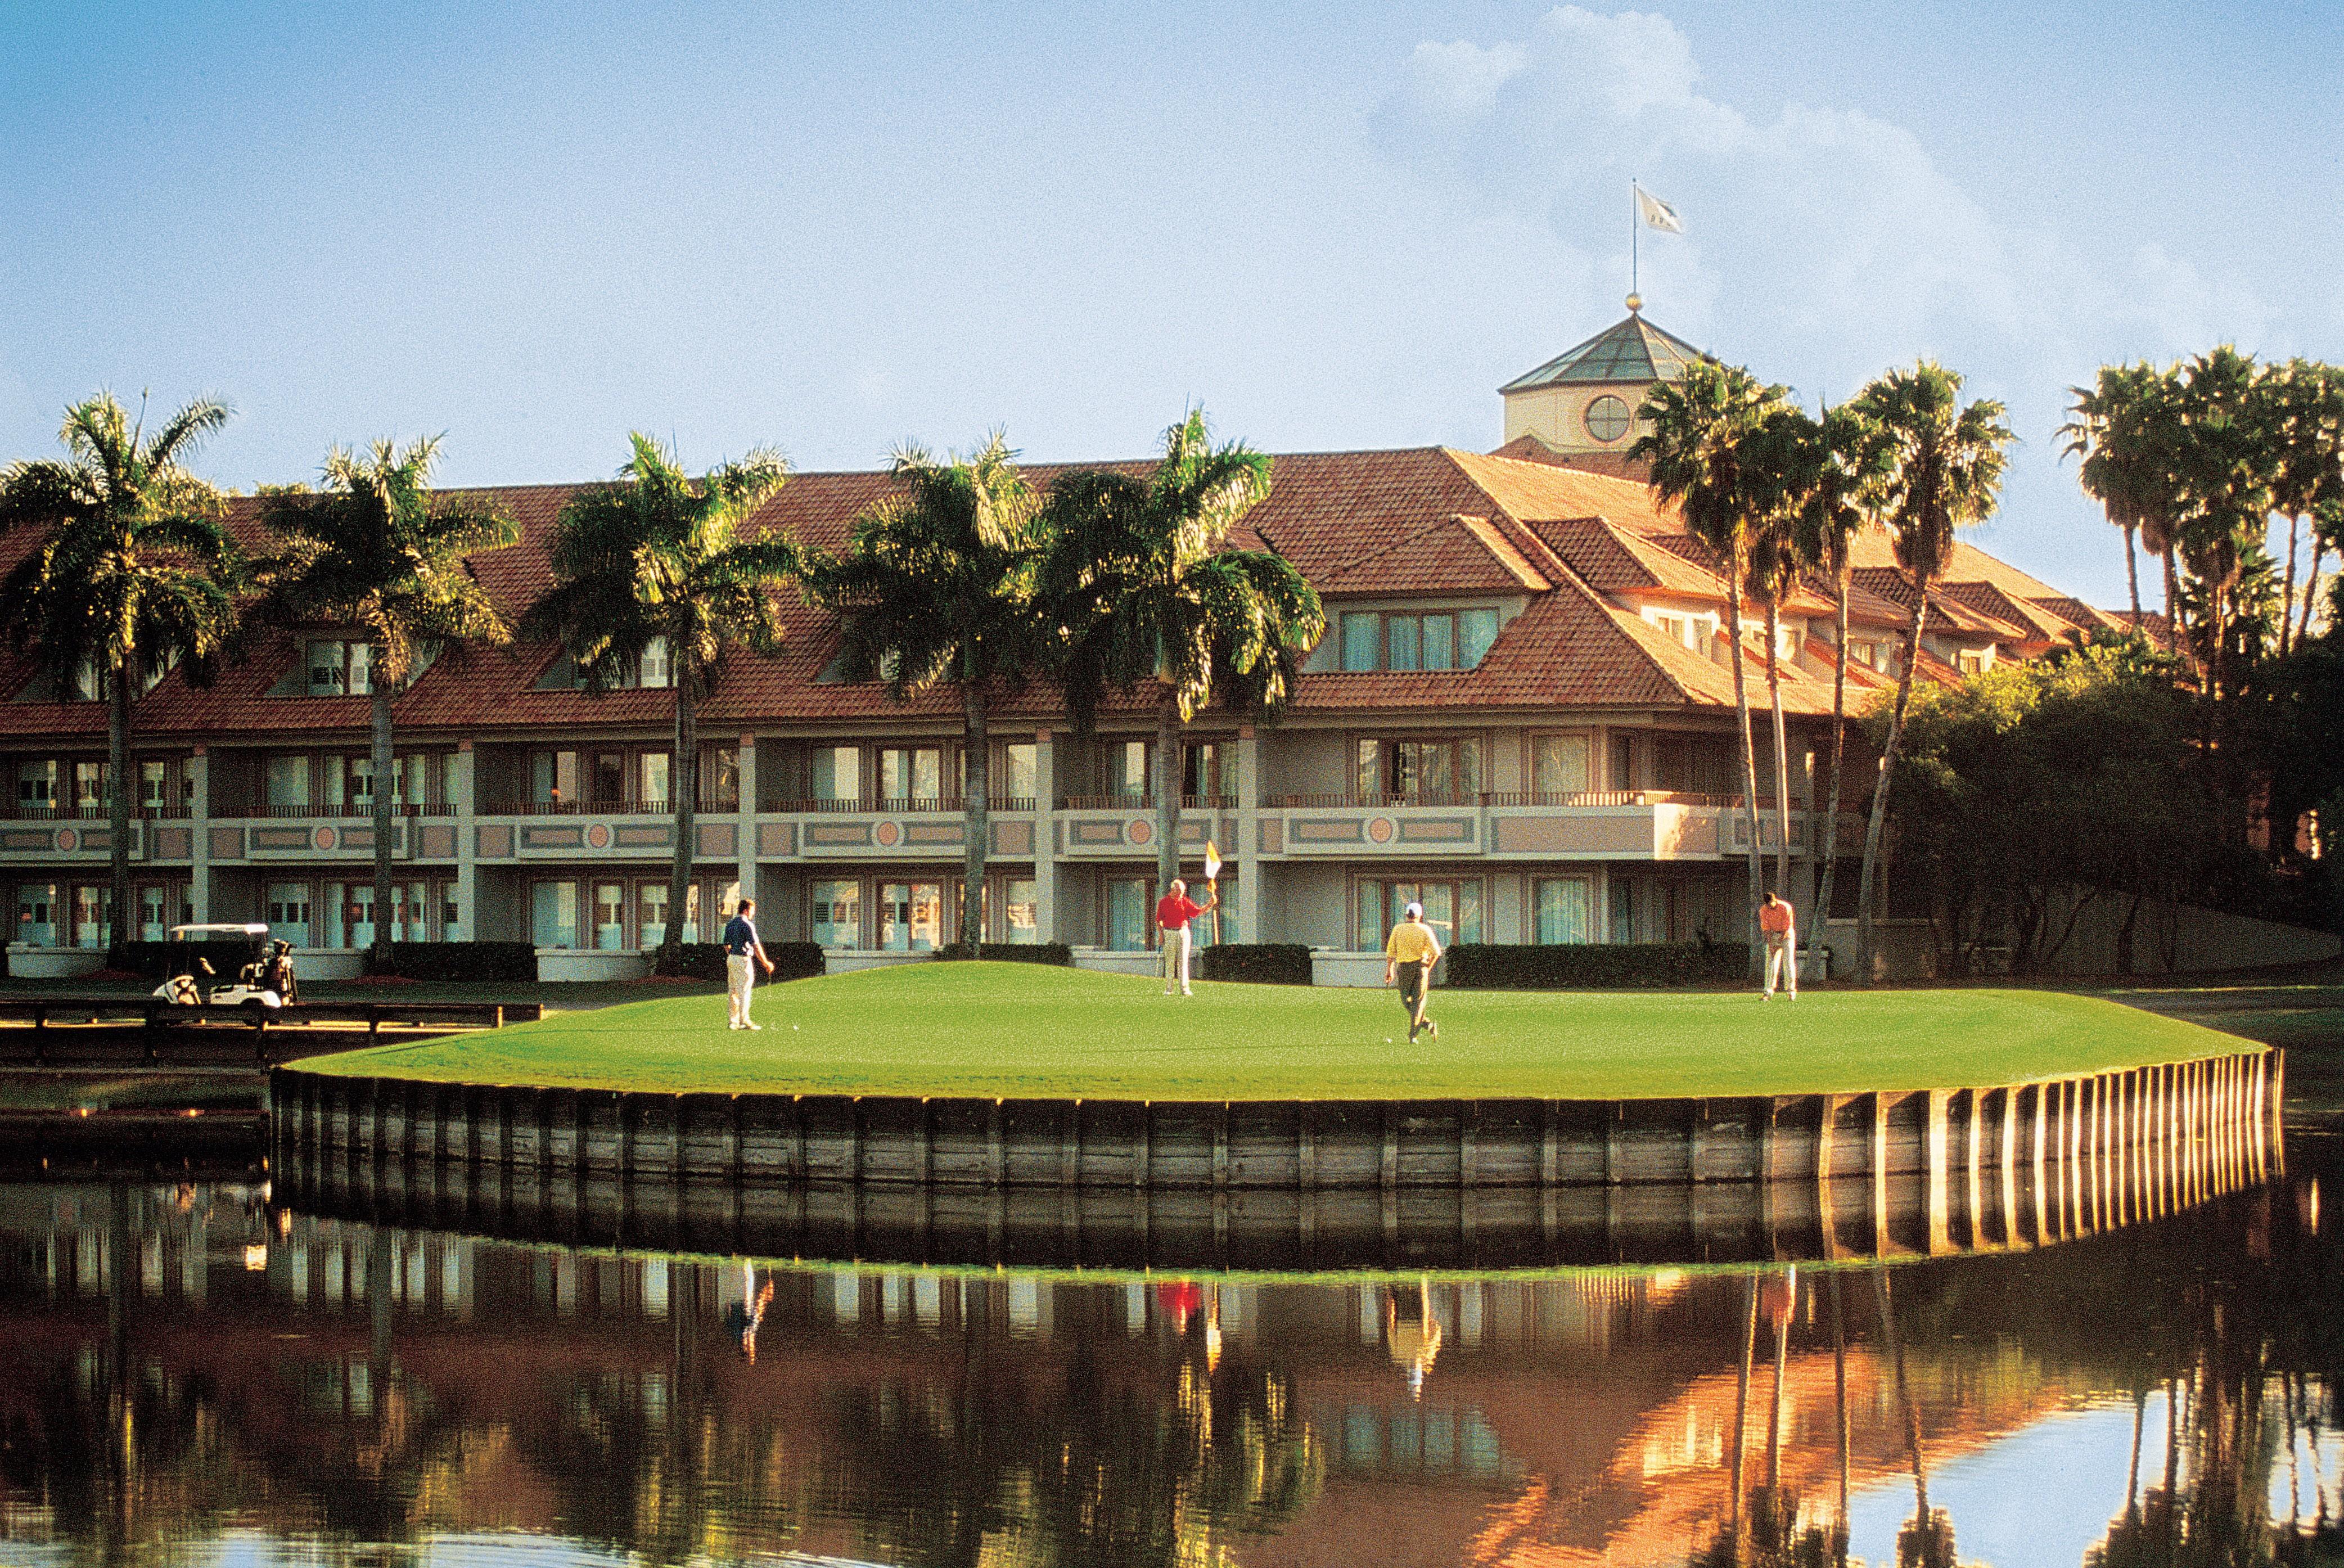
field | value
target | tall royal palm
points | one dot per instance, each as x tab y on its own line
1851	466
134	573
1945	472
2307	400
937	584
1698	442
1136	570
376	551
658	556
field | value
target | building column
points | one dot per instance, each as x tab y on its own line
463	799
199	834
1045	847
1247	847
745	837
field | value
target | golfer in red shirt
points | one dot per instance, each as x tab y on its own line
1173	913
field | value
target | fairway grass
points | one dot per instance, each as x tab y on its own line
1022	1030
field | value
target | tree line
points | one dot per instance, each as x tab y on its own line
1110	583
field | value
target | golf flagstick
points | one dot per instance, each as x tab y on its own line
1212	886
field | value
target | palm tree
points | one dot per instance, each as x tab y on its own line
1852	471
1137	572
2112	428
2307	418
657	557
375	549
1696	440
134	573
1947	473
2229	465
1784	464
936	583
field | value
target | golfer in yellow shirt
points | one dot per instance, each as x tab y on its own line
1410	953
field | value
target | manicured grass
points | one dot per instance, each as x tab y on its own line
1015	1029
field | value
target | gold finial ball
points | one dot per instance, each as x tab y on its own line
1635	302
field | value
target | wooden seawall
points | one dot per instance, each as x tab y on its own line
1918	1171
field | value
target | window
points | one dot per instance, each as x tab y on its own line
650	914
1453	910
610	915
1558	764
1696	765
287	912
1020	774
289	782
339	669
36	904
349	914
911	916
1623	762
1201	770
1128	908
910	774
1127	770
160	906
608	781
155	785
1607	418
1563	909
652	779
89	786
350	782
1973	661
1429	640
553	778
838	774
719	778
835	914
37	788
1435	771
553	914
93	916
1020	913
1623	910
654	669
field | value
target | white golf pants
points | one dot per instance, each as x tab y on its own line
1176	959
740	976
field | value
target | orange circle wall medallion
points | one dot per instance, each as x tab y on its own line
67	839
887	834
324	838
598	836
1140	833
1379	829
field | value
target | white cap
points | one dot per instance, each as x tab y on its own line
1415	912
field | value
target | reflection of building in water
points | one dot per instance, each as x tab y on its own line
457	1385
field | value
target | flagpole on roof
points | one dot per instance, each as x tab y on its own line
1634	224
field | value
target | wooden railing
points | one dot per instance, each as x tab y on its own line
1008	803
1356	799
13	810
601	807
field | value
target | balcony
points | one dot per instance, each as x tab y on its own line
1605	824
74	839
926	828
294	836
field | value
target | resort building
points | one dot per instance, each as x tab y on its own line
1522	715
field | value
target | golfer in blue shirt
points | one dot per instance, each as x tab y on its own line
741	949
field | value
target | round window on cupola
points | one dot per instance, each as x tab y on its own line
1607	418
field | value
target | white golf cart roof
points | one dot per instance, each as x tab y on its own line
247	930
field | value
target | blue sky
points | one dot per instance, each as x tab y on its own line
835	228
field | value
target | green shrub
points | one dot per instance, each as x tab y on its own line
705	961
792	960
161	960
1010	952
513	963
1594	967
1258	963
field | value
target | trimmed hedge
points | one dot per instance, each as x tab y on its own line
1594	966
705	961
1259	963
1056	952
511	962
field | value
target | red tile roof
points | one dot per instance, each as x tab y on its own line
1417	520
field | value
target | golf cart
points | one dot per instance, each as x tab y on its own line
262	985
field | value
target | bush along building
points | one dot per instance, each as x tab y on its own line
1522	715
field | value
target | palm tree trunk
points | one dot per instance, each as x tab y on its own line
2132	576
1741	1394
1838	755
2287	603
384	792
1839	1393
1167	791
684	785
1869	877
1757	858
1782	751
2312	586
977	749
2172	607
117	801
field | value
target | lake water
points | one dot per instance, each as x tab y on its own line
190	1376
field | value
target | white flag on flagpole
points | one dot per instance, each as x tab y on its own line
1656	212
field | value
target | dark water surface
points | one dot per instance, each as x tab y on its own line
190	1376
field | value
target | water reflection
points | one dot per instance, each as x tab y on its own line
185	1372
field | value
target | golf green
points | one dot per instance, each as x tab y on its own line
1020	1030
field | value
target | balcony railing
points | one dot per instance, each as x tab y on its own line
18	810
343	812
600	807
1144	803
950	803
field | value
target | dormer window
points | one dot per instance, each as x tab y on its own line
651	671
1416	640
340	669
